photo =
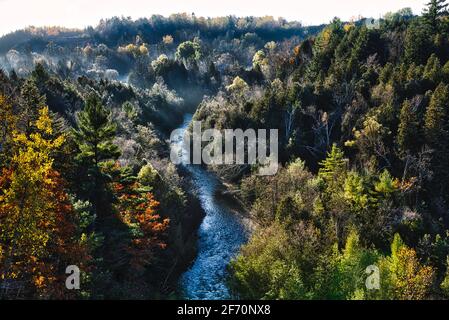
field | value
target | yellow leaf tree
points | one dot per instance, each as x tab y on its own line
402	276
34	209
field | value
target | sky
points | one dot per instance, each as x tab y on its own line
17	14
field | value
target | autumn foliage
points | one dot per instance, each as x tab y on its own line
37	221
137	210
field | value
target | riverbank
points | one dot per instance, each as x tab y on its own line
229	193
220	235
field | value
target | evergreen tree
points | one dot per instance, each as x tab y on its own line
418	43
433	11
333	168
436	129
94	137
30	102
408	131
333	172
436	115
433	69
96	133
8	124
445	72
285	210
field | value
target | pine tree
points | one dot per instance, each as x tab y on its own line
30	102
8	124
96	133
351	264
433	11
445	283
94	138
333	168
408	131
433	69
333	172
286	210
436	129
418	43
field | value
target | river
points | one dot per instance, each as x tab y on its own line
220	236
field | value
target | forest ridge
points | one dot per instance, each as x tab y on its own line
362	109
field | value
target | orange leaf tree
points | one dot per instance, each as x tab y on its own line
136	208
37	221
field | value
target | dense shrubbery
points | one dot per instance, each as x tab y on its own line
101	195
365	108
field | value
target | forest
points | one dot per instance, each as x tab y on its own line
362	110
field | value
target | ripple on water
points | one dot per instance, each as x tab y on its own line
220	237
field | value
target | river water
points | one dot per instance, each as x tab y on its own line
220	236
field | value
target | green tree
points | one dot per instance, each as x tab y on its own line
386	185
285	210
436	130
435	124
334	168
265	270
30	102
418	43
94	137
408	130
37	222
8	124
433	11
445	283
189	53
349	276
357	193
323	49
433	71
333	172
403	276
259	59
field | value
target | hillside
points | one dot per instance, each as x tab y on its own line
361	110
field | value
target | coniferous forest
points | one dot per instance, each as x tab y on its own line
362	111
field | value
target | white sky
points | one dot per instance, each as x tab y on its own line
17	14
